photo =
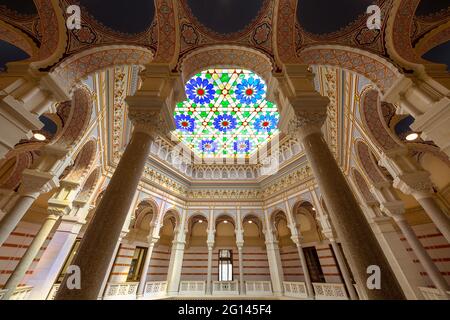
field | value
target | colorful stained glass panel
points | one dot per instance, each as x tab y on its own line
226	114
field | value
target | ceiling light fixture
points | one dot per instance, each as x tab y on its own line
200	221
250	221
313	209
412	136
225	221
39	136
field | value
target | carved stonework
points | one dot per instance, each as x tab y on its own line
34	181
417	182
150	122
306	122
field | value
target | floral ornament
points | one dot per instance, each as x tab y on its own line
200	90
208	146
265	122
242	146
185	123
225	123
250	91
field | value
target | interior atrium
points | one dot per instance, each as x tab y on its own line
198	149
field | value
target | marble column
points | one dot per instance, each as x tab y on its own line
209	274
148	257
328	232
273	257
411	179
297	238
344	270
423	256
357	238
176	256
306	275
99	242
240	247
210	243
175	266
30	254
33	184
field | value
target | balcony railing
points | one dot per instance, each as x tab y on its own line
53	292
192	288
432	294
329	291
258	288
121	291
155	289
295	289
225	288
21	293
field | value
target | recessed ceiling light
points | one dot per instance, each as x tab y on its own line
250	221
412	136
39	136
313	209
200	221
225	221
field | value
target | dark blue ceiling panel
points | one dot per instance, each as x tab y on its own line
427	7
439	54
326	16
26	7
225	16
403	126
9	53
49	125
124	16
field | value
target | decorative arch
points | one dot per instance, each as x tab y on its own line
18	38
89	186
226	56
143	209
83	161
168	31
362	186
224	217
76	115
369	165
373	67
374	121
52	27
80	65
398	34
13	165
256	220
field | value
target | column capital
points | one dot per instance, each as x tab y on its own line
310	112
393	209
35	181
146	115
416	183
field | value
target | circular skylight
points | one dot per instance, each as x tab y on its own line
226	114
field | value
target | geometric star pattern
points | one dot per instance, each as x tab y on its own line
226	114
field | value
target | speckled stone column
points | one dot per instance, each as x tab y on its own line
98	244
357	238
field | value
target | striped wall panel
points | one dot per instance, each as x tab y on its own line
437	247
122	263
15	247
159	263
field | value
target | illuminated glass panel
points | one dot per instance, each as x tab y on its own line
226	114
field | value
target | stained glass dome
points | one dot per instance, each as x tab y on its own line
226	114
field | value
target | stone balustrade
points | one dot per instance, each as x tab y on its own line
192	287
121	291
329	291
225	288
258	288
295	289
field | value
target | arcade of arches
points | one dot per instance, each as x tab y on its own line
186	154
